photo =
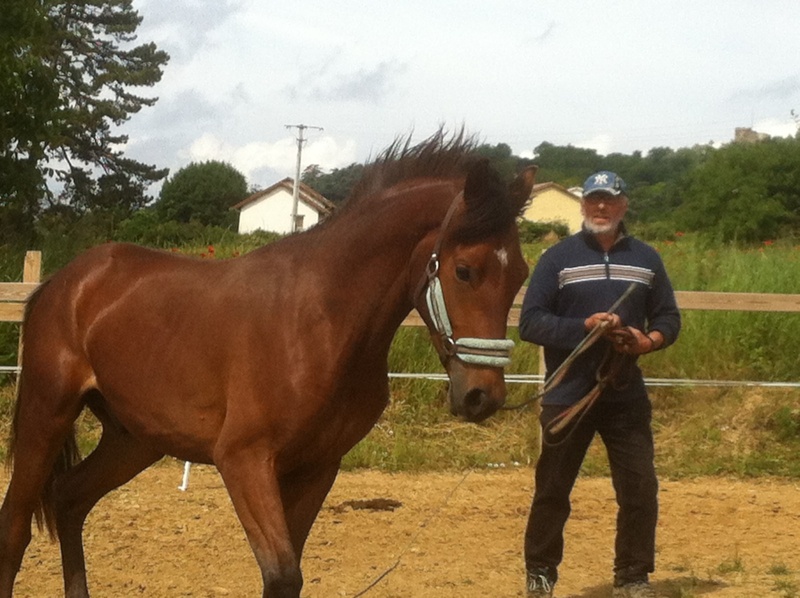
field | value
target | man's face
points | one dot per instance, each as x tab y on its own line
603	212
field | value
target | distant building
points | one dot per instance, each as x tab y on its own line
748	135
271	209
550	202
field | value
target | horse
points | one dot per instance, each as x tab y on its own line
269	366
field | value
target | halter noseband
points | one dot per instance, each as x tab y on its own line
480	351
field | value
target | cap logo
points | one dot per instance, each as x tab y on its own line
601	179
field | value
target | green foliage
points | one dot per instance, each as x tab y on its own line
785	423
336	185
745	192
29	97
533	232
204	192
66	70
566	165
501	158
146	228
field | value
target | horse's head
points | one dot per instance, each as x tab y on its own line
474	272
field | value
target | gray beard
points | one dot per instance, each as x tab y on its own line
600	229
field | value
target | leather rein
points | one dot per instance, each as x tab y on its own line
605	375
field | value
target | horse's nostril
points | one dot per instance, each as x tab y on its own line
474	399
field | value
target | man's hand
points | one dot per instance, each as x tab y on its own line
608	321
632	341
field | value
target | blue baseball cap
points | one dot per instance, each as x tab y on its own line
605	181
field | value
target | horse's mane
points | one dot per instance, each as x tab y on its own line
441	156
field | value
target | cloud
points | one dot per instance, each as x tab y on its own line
779	89
365	85
541	37
776	127
255	160
198	19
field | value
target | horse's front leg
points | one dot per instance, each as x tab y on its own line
303	493
250	478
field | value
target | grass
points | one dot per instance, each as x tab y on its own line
781	580
698	432
701	432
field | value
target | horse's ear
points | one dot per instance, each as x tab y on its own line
521	187
483	182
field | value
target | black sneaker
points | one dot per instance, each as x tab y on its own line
539	585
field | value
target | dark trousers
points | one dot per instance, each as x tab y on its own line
625	430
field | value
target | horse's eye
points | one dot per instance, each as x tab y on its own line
462	272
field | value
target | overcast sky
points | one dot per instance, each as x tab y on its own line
615	76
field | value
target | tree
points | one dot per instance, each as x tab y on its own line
501	158
337	184
66	69
745	192
202	192
567	165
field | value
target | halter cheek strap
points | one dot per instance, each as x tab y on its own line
478	351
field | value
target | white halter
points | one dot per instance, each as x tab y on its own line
480	351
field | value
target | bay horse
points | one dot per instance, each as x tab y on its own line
269	366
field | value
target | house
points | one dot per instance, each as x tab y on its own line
550	202
271	209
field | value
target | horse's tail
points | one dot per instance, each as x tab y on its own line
68	456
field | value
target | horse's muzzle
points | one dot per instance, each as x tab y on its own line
475	393
476	406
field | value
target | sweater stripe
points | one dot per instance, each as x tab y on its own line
600	271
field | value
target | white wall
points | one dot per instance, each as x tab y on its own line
273	213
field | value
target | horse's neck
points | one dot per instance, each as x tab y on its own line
371	253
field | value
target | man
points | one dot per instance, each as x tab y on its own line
571	290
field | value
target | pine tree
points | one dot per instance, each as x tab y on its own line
67	68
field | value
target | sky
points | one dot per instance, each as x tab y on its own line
614	76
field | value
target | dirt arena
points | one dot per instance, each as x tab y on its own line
450	535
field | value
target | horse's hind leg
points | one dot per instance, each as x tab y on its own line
117	459
41	433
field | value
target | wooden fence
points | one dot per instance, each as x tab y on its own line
687	300
14	294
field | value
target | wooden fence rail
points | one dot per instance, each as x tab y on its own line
14	294
687	300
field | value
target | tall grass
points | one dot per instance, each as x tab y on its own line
696	423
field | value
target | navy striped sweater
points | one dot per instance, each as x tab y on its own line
574	279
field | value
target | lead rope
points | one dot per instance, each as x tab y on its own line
414	538
558	375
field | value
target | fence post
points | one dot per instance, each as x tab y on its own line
31	272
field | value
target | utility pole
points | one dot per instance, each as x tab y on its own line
296	190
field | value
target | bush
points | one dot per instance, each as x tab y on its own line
146	228
532	232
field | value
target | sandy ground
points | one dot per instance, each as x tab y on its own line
449	535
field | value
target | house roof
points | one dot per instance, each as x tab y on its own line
305	194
